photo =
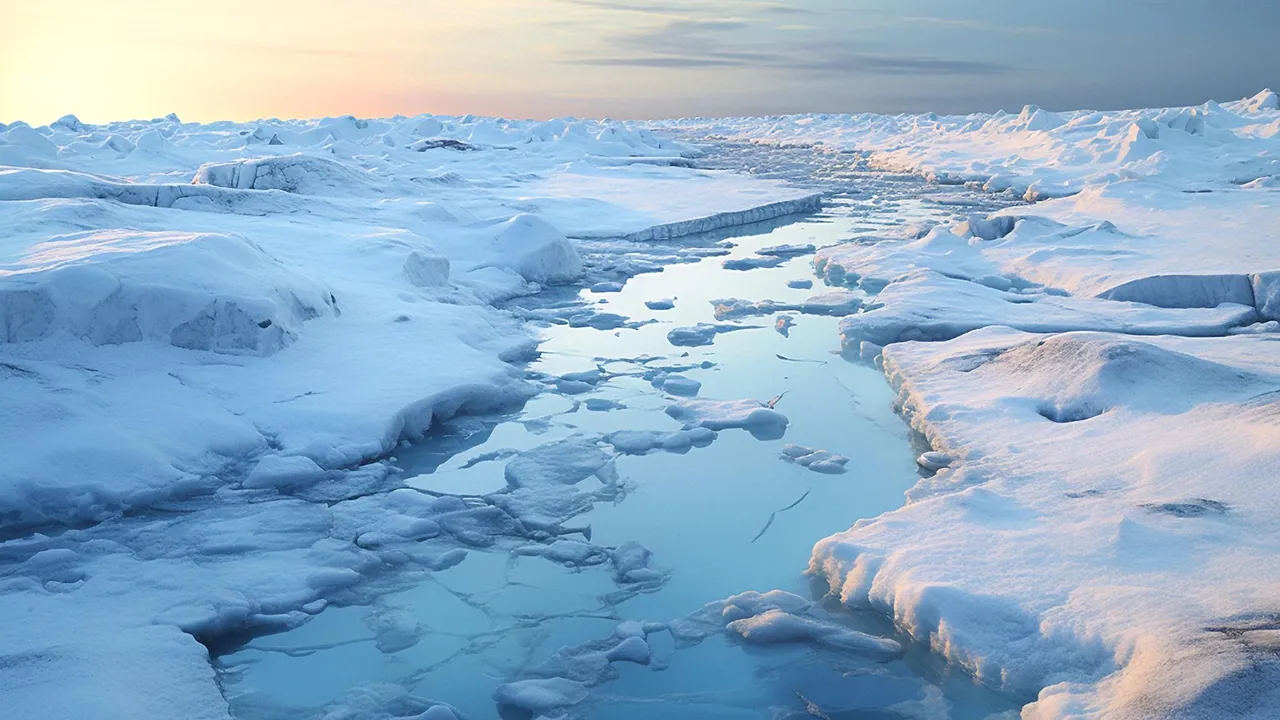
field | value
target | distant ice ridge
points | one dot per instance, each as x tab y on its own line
1037	153
240	323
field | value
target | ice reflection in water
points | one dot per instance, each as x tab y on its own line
499	615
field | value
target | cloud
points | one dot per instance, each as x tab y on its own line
692	9
978	25
692	43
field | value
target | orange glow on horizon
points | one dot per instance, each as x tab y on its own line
242	60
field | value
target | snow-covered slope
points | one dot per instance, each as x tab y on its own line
1107	529
224	317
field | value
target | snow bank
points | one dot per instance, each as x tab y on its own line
1148	458
1093	524
199	291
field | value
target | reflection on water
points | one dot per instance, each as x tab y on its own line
499	614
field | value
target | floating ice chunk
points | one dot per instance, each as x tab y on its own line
541	695
567	552
394	629
438	712
751	415
573	387
701	334
567	462
783	325
821	461
934	460
632	649
752	603
280	471
608	286
639	442
801	284
680	385
752	263
599	320
777	626
603	405
837	303
712	618
591	377
631	563
786	250
661	304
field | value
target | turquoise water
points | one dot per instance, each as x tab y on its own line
495	616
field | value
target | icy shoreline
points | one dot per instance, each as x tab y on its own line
215	336
212	338
1103	532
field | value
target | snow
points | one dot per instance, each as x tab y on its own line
750	415
821	461
837	303
1119	464
214	336
701	334
754	263
1095	369
776	626
541	695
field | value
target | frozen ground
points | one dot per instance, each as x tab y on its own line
224	347
213	336
1104	532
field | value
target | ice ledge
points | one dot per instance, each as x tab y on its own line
719	221
1260	290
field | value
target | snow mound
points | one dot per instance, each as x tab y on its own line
536	250
1107	372
200	291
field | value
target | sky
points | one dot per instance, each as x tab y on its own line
247	59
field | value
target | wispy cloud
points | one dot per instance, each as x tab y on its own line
692	9
980	25
727	42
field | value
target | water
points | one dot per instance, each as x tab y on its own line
496	616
